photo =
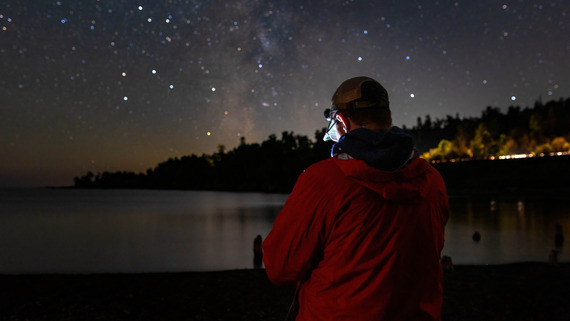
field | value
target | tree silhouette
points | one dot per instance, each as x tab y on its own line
274	164
540	130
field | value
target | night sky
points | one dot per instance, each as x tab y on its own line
123	85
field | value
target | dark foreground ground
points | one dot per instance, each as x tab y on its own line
525	291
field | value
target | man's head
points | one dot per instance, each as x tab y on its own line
358	102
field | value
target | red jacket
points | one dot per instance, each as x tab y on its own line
364	243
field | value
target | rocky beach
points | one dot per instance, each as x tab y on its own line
520	291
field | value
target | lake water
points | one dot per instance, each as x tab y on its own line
94	231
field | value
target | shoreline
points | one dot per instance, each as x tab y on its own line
515	291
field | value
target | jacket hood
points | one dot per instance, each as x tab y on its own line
410	184
384	150
385	162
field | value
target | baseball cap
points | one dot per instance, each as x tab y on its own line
358	93
354	94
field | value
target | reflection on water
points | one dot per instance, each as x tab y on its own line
510	230
86	231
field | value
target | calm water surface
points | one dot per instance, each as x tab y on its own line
89	231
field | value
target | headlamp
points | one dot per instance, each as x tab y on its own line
330	113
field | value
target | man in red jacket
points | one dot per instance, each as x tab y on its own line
362	232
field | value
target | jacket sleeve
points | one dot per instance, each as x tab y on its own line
294	245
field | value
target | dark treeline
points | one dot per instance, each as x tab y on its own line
542	129
275	164
272	166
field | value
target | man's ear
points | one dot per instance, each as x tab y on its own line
344	122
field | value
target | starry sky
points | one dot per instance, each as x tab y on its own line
107	85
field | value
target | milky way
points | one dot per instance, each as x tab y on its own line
122	85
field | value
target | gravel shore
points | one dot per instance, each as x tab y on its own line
521	291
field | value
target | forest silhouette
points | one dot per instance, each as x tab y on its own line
275	164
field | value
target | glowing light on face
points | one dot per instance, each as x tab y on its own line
332	131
